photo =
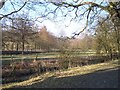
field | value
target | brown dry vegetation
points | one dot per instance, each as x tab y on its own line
37	81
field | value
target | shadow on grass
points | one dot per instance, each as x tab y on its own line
99	79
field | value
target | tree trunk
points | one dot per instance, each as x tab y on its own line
116	22
110	52
12	46
23	44
17	47
35	46
23	47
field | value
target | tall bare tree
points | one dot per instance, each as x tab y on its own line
107	37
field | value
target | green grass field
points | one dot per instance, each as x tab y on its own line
7	59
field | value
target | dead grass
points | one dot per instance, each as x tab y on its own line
87	69
66	73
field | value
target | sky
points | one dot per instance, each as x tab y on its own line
59	28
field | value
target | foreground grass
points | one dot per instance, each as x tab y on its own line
69	72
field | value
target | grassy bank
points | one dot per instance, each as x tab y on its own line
69	72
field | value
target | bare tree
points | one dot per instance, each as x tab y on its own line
80	9
77	10
20	30
106	38
46	40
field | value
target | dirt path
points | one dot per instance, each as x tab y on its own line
100	79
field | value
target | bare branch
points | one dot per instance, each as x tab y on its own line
13	11
80	4
2	2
